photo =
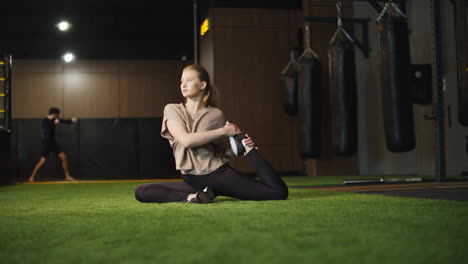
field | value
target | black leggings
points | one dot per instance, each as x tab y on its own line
224	181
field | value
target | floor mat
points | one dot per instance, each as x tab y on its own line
457	191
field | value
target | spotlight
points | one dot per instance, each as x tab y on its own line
63	26
68	57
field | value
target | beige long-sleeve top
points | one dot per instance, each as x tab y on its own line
202	159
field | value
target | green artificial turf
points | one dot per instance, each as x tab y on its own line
103	223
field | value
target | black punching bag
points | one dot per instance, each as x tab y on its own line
343	96
397	107
290	84
309	107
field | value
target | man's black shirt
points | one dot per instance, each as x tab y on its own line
48	129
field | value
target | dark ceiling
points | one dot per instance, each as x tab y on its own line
109	29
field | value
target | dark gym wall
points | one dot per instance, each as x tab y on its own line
243	38
119	105
457	158
95	89
374	158
245	51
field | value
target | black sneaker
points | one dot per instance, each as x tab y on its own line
205	196
236	144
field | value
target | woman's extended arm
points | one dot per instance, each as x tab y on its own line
189	140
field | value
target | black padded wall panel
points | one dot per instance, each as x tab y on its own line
14	147
29	151
109	148
67	135
5	157
156	160
96	149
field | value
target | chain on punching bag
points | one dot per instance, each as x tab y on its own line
343	91
309	101
394	55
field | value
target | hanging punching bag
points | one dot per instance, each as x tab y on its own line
309	107
394	80
290	84
343	96
309	101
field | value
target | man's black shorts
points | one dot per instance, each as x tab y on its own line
48	147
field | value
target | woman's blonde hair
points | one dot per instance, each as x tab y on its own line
211	93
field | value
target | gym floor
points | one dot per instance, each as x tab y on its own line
100	221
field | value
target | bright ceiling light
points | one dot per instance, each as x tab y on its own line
68	57
64	26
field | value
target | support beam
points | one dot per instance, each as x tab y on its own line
437	86
195	33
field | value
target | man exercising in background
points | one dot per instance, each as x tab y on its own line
49	144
